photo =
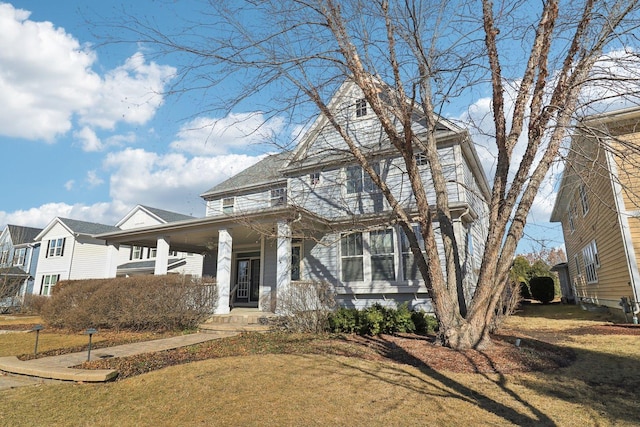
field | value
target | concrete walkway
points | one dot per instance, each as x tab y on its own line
60	367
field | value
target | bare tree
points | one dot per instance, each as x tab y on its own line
412	55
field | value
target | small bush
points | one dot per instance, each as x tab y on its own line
33	304
524	291
542	289
305	307
379	319
170	302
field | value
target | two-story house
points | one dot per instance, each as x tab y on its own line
313	214
71	250
598	204
18	259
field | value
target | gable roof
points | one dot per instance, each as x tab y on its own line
75	226
161	215
21	235
265	173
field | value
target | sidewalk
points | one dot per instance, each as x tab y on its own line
59	367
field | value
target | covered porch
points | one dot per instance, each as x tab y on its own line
250	255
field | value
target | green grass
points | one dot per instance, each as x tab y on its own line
599	388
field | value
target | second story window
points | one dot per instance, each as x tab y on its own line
421	159
358	180
361	107
314	178
4	257
583	199
227	205
278	196
572	225
55	248
19	256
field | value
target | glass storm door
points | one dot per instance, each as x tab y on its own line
248	280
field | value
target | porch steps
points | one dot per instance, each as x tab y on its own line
239	320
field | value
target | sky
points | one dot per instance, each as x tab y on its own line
87	132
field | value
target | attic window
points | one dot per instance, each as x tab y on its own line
314	178
361	107
421	159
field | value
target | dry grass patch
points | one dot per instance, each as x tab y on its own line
19	322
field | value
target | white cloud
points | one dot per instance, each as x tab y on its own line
130	93
46	79
172	181
88	139
69	184
230	134
103	213
93	179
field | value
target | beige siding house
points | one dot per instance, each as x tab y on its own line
598	206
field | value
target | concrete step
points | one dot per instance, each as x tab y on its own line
222	328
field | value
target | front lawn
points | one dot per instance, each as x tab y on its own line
300	380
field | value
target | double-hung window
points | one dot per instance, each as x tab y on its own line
4	257
409	267
278	196
358	180
382	255
136	252
48	282
55	248
572	217
352	257
591	261
361	107
583	199
19	256
227	205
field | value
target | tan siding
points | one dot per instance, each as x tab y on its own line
600	224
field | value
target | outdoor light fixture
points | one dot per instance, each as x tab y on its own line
90	332
37	328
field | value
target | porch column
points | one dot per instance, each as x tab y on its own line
223	272
283	265
162	256
112	259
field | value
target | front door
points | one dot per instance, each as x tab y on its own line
248	280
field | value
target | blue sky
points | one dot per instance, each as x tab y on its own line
86	132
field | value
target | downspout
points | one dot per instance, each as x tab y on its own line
634	273
73	252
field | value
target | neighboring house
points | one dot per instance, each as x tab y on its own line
312	214
139	259
19	255
69	251
598	205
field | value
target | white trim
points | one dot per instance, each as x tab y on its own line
625	230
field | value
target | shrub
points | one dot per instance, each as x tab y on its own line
379	319
542	289
306	307
33	304
524	291
170	302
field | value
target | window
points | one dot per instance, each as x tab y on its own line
19	256
583	199
409	267
136	252
278	196
173	253
421	159
591	261
56	248
151	253
382	259
4	258
361	107
575	258
227	205
358	180
352	258
572	211
295	262
48	282
314	178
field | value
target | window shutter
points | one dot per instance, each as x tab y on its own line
46	254
62	250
